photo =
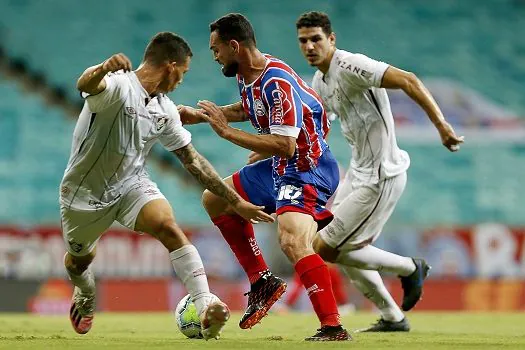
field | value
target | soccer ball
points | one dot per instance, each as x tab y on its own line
187	318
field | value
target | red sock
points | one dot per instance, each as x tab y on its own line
316	279
241	238
338	285
295	293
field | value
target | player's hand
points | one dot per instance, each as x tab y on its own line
190	115
449	138
214	115
255	157
117	62
252	212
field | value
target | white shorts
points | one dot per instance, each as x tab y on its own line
361	212
81	230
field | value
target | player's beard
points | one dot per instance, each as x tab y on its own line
230	70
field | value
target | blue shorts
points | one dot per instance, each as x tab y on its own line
304	192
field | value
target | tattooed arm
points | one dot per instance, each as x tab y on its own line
203	171
233	113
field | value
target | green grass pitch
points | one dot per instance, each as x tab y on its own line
158	331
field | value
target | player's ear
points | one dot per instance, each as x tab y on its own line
331	38
170	66
235	46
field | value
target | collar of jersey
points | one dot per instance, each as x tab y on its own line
136	81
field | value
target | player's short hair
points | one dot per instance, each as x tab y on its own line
315	19
167	47
234	26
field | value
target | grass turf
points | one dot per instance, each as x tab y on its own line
158	331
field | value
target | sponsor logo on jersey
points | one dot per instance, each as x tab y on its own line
281	106
354	69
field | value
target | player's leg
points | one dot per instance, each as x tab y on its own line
81	312
255	184
301	208
237	232
144	209
81	231
296	231
411	271
370	284
359	219
337	287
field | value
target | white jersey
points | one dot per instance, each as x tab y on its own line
351	89
114	133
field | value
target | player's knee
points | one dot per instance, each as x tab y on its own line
293	246
78	264
287	244
325	251
214	205
170	234
167	226
211	202
208	199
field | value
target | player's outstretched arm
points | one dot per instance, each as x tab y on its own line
190	115
395	78
233	113
279	145
92	80
204	172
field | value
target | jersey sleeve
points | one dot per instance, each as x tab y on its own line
117	86
285	108
174	136
361	71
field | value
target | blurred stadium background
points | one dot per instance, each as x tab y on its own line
464	212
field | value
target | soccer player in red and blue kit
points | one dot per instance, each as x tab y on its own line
295	183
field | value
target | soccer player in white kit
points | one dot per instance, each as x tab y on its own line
125	113
352	87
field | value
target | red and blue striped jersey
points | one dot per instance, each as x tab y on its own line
280	102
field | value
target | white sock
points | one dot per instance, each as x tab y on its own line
371	285
372	258
188	266
85	281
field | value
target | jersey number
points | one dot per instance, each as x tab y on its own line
289	192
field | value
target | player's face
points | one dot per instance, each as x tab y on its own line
174	75
224	54
315	45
